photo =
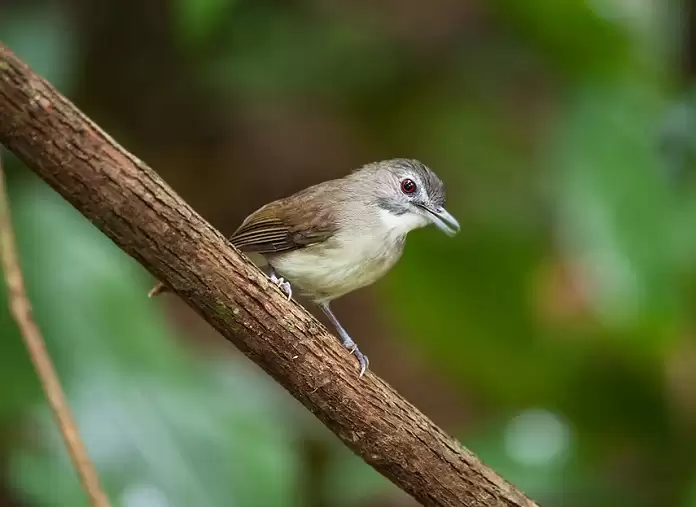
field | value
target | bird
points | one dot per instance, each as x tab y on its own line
344	234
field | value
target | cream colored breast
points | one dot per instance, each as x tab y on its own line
338	266
356	257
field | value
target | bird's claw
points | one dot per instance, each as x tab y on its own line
282	284
362	359
346	340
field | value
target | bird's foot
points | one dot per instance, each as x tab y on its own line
362	358
282	284
346	340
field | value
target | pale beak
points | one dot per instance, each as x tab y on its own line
442	219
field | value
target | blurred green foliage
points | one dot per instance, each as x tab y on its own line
561	318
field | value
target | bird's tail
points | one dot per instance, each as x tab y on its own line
157	290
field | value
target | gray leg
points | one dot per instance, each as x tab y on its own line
346	340
281	283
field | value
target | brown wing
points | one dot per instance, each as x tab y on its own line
287	224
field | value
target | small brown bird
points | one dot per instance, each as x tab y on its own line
344	234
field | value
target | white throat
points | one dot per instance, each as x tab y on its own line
400	225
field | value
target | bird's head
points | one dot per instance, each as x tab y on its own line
409	195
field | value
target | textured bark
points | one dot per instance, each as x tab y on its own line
142	215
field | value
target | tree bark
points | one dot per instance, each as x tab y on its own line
142	215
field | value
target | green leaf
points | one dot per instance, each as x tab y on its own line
617	211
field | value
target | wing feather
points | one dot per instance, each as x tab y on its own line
288	224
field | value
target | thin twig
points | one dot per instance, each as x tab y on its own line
21	311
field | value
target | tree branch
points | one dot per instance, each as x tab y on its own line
20	307
141	214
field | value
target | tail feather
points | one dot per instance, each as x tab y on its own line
157	290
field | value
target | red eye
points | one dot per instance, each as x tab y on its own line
408	186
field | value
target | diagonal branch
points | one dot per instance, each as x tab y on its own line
141	214
20	307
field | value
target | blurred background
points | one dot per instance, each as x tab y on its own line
555	336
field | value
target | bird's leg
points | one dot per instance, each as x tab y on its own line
346	340
282	284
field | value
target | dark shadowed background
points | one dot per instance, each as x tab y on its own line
555	336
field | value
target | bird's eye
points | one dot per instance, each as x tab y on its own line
408	186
